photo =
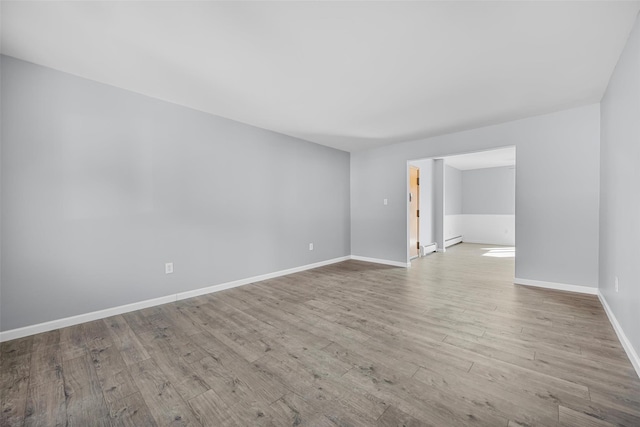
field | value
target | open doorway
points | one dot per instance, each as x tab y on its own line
414	212
464	198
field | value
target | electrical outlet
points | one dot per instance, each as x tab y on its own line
168	268
617	284
310	246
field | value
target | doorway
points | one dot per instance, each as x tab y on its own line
467	197
414	212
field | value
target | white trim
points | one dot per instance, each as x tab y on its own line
260	278
407	184
113	311
557	286
82	318
427	249
381	261
452	241
626	344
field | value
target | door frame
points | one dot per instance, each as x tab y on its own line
444	156
409	211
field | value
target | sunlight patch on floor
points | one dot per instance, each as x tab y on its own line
500	252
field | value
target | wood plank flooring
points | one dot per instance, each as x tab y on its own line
449	342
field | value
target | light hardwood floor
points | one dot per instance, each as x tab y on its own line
450	341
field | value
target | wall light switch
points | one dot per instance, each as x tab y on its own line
386	202
617	284
168	268
310	246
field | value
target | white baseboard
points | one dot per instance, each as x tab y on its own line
452	241
381	261
113	311
626	344
260	278
82	318
427	249
557	286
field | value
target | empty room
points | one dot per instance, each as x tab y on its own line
310	213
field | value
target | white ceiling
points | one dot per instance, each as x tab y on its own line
350	75
483	159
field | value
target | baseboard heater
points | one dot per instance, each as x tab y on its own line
452	241
427	249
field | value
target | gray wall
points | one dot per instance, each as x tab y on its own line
101	187
556	199
489	191
439	202
620	190
452	190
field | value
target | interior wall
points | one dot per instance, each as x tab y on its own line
488	205
439	200
101	187
557	197
453	190
489	229
489	191
453	202
620	193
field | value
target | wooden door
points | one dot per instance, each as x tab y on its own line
414	211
